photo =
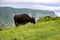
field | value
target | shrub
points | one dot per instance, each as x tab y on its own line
46	18
0	29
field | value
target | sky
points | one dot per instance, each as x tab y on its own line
52	5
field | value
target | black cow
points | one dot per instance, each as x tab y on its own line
23	19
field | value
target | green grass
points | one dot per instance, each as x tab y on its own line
40	31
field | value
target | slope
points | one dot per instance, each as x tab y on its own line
40	31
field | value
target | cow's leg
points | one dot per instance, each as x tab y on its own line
16	24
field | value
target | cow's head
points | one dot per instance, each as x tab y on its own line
33	20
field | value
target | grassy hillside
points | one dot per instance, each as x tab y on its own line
40	31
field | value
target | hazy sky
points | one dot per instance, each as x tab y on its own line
53	5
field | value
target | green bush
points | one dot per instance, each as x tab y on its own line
0	29
48	18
